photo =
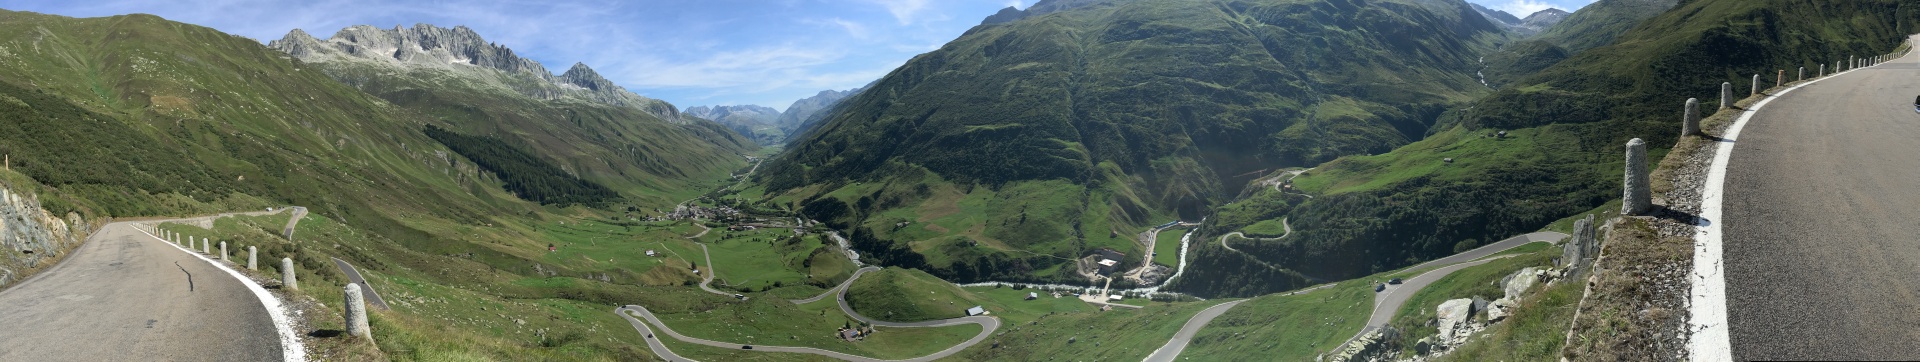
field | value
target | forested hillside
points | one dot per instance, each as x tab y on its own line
525	174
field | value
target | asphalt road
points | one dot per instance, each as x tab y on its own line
126	296
353	275
1178	343
837	288
294	220
1387	303
988	326
1821	229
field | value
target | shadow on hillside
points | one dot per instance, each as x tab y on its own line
327	333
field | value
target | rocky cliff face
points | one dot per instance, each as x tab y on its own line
461	50
32	238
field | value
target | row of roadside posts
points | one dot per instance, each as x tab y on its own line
356	306
1638	195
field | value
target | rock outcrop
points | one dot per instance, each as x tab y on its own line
1371	346
32	238
462	50
1577	254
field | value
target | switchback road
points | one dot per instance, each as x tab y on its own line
988	326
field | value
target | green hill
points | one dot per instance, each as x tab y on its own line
1601	22
1566	126
1024	145
132	116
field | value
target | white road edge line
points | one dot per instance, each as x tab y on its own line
290	348
1707	302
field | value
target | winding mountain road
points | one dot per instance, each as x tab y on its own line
988	326
1820	234
1387	303
837	288
126	295
353	275
1167	352
1288	228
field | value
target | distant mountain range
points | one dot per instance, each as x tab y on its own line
1533	24
767	126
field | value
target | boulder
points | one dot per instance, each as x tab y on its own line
1425	346
1518	282
1499	309
1455	320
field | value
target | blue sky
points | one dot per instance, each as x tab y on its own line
689	52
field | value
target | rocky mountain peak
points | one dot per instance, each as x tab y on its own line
462	50
1545	18
297	43
581	75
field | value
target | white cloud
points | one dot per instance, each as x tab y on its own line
1522	8
853	28
903	10
752	67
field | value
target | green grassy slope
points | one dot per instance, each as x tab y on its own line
1075	129
647	159
131	116
1566	127
1599	23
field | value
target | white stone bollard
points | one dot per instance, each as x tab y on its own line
223	251
356	306
1690	123
1823	70
1638	198
1756	86
1802	76
253	254
206	246
287	277
1726	95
